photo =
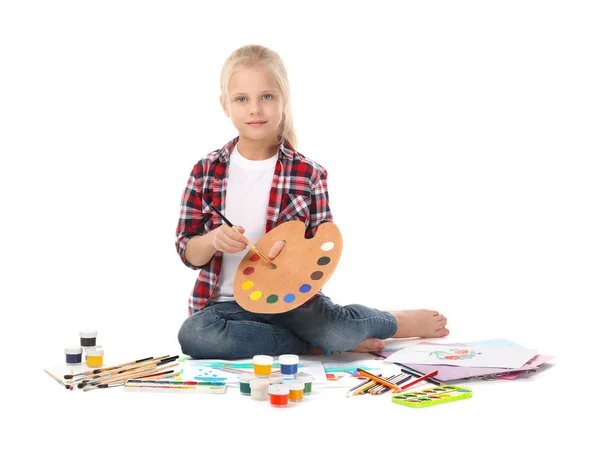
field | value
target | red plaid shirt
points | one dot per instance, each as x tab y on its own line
298	192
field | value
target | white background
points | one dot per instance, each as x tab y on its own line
461	140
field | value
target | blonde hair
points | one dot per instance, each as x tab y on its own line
258	55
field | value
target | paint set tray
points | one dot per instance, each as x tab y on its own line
174	386
432	396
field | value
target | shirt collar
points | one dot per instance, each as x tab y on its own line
285	149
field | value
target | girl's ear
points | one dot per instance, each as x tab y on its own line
224	106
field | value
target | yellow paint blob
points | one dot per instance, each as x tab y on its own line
256	295
247	285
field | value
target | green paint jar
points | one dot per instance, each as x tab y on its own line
245	383
307	379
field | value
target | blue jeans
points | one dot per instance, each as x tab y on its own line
225	330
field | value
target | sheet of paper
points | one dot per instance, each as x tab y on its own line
229	371
466	356
345	375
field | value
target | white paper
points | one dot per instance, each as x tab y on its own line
229	371
343	374
467	356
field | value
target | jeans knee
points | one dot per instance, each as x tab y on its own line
334	340
196	335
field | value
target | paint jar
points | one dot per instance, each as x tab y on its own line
73	355
87	338
289	365
279	394
245	383
94	357
259	389
307	379
275	377
262	365
296	389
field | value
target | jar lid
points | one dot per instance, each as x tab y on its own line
259	384
262	360
289	359
75	350
245	378
295	384
279	389
94	352
88	333
304	376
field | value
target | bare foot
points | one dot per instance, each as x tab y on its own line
368	345
420	323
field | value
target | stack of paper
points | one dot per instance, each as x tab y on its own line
455	361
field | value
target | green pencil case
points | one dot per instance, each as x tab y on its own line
432	396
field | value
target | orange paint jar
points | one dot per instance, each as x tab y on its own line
296	389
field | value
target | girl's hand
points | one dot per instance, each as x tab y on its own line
276	249
226	239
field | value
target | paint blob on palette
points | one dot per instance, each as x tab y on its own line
302	268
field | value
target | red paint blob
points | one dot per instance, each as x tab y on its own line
254	257
249	270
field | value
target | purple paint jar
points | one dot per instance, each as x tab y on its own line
73	355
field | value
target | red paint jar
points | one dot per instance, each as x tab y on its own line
279	394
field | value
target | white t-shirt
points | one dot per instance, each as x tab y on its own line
246	201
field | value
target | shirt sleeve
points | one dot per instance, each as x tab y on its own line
190	214
319	203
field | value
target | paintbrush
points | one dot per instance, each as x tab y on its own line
57	379
164	375
250	244
108	368
132	375
149	365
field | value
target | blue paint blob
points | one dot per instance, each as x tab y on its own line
305	288
289	298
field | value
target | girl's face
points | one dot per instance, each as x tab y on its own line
254	105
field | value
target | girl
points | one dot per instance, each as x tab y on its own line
259	180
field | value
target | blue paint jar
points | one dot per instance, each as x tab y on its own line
74	355
288	365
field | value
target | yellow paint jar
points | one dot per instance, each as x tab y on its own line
94	357
262	365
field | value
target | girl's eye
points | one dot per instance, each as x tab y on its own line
268	97
240	98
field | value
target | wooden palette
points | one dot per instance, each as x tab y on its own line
303	268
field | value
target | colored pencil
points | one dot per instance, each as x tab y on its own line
392	378
411	371
402	380
378	379
362	384
414	382
250	244
376	386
